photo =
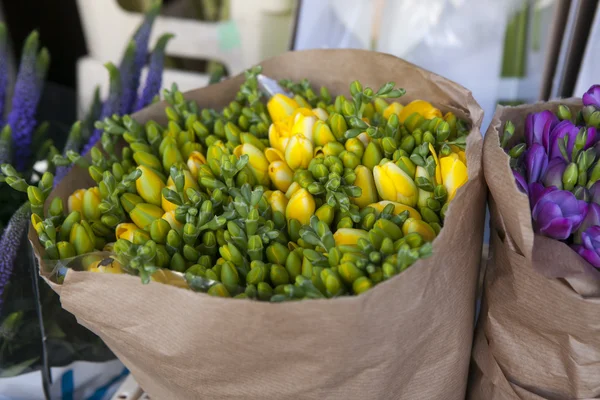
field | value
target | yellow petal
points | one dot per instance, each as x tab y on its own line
320	113
394	108
195	160
424	108
364	180
393	184
299	152
281	107
301	207
256	161
126	231
454	174
294	187
304	126
349	236
149	186
420	227
273	155
75	202
281	175
170	218
278	201
438	170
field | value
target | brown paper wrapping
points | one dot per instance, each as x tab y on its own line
409	338
538	336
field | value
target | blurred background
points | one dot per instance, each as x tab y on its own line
504	51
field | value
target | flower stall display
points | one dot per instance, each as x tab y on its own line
307	194
542	288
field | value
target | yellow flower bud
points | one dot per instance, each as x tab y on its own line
301	207
322	134
299	152
169	277
420	227
194	162
320	113
81	239
364	180
393	184
91	201
294	187
126	231
325	213
394	108
281	107
273	155
75	201
281	175
149	186
256	161
421	172
189	182
143	214
165	204
364	138
170	218
422	107
461	153
350	236
171	156
398	208
438	170
304	126
454	174
276	140
278	201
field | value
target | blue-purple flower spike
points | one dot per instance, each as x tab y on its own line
111	106
141	38
28	88
10	242
126	68
155	72
73	143
3	72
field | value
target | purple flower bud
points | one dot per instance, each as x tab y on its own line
9	243
554	173
558	213
520	181
563	129
592	137
595	192
155	71
536	162
538	127
592	96
590	246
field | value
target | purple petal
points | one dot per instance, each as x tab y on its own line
592	218
562	129
536	162
538	127
554	172
520	181
595	192
558	228
591	138
592	96
155	72
590	256
537	191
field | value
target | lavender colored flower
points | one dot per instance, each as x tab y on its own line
27	92
520	181
538	127
536	162
592	96
563	129
557	214
10	242
3	72
126	68
590	246
111	106
592	218
536	190
155	71
132	76
554	173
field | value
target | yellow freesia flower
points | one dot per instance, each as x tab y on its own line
393	184
398	208
350	236
281	175
258	163
424	108
301	207
364	180
75	201
454	173
299	152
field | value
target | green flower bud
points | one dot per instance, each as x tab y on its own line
354	145
230	277
570	177
264	291
392	230
143	214
408	144
509	130
279	275
277	253
349	272
407	166
333	149
349	159
218	290
372	156
177	263
325	213
95	173
517	150
129	201
148	160
333	283
65	250
81	239
293	265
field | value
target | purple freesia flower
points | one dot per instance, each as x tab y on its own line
9	243
592	96
538	127
536	162
562	129
520	181
554	173
155	71
592	218
558	213
536	191
590	246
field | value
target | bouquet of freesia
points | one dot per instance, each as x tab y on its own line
543	280
297	195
